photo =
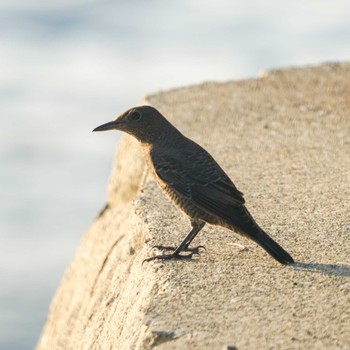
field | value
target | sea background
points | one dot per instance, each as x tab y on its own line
69	66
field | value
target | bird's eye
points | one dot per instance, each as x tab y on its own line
135	115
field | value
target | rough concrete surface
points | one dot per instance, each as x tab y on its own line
284	139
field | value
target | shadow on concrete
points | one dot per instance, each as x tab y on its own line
327	269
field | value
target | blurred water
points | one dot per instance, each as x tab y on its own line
68	66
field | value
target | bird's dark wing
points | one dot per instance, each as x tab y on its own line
197	176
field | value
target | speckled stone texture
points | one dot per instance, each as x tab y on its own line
284	139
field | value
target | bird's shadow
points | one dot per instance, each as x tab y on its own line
326	269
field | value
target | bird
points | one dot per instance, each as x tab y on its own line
193	180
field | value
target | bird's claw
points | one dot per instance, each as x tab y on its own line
168	257
194	250
175	255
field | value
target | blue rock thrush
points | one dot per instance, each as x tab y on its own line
193	180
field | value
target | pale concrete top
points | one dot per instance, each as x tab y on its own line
284	139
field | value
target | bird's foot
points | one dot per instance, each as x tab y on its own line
175	255
194	250
169	256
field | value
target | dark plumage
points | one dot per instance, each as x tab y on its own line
191	177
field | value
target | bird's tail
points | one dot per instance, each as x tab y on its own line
272	247
245	224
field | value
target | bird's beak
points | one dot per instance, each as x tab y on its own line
108	126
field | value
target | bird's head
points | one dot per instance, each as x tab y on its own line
144	122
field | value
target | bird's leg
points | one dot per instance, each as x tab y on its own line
184	246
